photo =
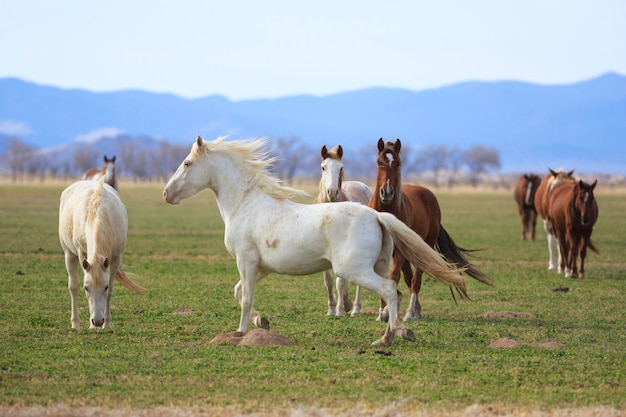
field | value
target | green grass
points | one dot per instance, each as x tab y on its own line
153	357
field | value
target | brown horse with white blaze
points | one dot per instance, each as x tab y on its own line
573	213
419	209
107	170
524	195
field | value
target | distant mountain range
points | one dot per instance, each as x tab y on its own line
580	125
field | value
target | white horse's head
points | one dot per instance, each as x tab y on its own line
190	178
96	283
332	173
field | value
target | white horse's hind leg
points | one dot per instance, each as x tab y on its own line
71	264
356	307
387	289
344	303
332	302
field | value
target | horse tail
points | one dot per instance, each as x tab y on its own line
456	255
127	282
420	254
592	246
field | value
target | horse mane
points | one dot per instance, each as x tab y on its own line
249	154
102	229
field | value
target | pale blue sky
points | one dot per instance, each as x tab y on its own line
264	49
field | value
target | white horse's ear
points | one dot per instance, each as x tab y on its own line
339	151
324	152
199	141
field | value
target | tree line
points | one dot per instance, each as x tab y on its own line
143	158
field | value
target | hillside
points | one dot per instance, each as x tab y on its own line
580	125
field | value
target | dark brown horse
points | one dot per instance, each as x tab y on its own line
524	195
542	204
418	208
573	212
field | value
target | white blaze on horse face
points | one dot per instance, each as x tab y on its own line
529	187
109	171
390	158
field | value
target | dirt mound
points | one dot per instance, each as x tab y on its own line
257	337
506	343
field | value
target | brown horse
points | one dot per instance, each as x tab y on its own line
108	170
573	213
542	205
524	195
419	209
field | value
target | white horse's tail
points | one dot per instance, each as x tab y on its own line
421	255
128	283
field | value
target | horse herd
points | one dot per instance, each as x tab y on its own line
361	235
569	211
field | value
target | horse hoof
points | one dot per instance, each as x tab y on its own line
380	342
407	334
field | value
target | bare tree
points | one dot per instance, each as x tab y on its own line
435	159
18	154
293	156
85	158
479	159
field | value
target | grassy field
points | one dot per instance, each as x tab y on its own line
155	357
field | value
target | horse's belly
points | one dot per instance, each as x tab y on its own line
294	263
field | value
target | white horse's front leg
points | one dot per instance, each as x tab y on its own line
252	314
332	302
71	264
107	308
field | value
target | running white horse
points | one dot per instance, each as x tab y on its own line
92	230
266	232
333	189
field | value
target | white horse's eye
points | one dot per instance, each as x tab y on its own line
86	288
187	164
106	288
323	168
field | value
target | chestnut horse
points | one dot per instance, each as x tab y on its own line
419	209
108	170
334	189
524	195
573	212
542	205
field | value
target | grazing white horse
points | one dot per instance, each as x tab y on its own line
333	189
266	232
92	230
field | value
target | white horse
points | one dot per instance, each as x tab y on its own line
265	232
107	170
333	189
92	230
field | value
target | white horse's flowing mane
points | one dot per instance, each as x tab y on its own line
251	156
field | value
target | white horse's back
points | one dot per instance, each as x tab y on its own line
73	214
